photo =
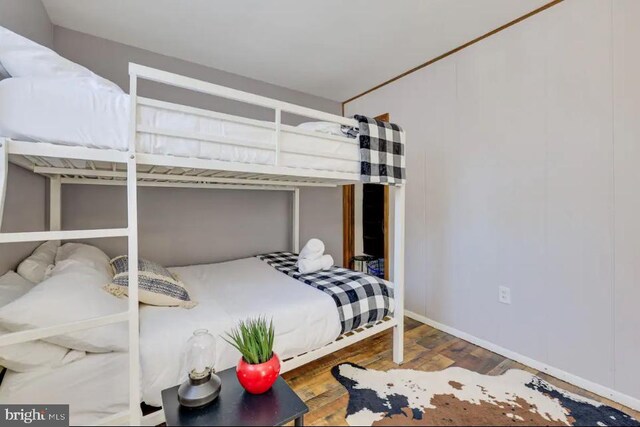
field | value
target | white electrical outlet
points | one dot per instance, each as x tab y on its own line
504	295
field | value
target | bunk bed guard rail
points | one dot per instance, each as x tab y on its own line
137	71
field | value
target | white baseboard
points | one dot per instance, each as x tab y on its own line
598	389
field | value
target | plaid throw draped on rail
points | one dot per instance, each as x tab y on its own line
360	298
381	151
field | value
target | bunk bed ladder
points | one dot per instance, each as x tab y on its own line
133	415
55	232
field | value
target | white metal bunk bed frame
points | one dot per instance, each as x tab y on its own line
171	171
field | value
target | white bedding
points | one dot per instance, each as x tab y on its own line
75	112
304	318
95	387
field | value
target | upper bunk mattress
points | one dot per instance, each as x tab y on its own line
304	318
75	112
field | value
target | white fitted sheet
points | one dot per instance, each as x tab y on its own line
74	112
94	387
304	318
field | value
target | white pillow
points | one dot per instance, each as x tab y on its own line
35	268
33	355
84	254
68	111
30	355
323	127
69	295
22	57
12	287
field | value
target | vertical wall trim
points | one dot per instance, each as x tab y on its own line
613	201
348	225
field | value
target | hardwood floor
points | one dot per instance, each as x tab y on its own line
426	349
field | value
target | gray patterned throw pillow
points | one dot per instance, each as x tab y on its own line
156	284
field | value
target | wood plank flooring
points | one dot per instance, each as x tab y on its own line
426	349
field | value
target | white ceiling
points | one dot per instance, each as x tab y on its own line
330	48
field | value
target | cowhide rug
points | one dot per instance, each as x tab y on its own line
457	396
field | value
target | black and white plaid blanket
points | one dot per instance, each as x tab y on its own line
381	151
360	298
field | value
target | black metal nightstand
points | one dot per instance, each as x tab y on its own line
236	407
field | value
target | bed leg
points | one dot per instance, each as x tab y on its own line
398	273
398	344
4	174
295	232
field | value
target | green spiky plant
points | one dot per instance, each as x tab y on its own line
254	340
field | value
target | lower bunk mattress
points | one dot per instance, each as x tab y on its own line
305	318
94	387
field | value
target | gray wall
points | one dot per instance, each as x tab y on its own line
28	18
24	211
195	226
321	216
111	60
190	226
185	226
25	202
523	154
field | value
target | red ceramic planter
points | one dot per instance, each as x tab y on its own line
257	379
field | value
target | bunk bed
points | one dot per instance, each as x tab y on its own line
249	154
